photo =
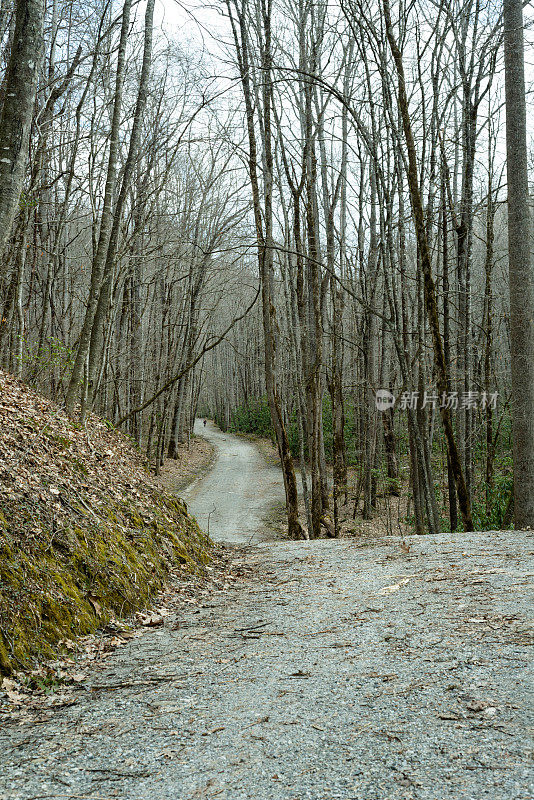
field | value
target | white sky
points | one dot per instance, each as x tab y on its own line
200	23
202	26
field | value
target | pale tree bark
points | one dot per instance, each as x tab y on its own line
426	268
106	220
521	275
96	348
19	98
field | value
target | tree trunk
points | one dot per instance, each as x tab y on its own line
263	218
106	221
20	87
520	267
19	346
429	286
98	327
451	488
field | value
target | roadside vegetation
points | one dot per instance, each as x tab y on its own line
492	508
327	209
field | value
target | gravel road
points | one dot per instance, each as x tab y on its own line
339	670
235	499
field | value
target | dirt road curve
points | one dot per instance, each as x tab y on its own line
235	499
331	670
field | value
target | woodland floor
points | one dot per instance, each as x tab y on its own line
307	670
194	460
389	517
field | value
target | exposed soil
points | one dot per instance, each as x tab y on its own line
194	460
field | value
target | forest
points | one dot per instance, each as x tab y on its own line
266	399
308	221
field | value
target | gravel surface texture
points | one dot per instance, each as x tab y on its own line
236	499
337	670
320	679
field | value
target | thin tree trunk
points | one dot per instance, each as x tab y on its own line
453	510
21	261
426	266
98	326
99	260
371	421
264	235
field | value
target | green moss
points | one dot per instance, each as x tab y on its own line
79	467
121	562
5	664
61	441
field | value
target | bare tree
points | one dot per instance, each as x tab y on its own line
263	216
429	286
106	223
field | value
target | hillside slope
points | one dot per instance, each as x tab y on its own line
85	532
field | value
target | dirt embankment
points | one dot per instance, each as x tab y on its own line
86	533
194	459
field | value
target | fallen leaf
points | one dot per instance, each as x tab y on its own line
10	688
96	605
394	587
152	620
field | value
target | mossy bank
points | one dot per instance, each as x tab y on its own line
85	531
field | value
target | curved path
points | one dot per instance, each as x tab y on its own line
235	499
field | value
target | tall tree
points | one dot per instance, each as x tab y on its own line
426	268
96	347
99	260
19	96
521	274
263	217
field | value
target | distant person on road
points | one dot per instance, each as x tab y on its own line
205	421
